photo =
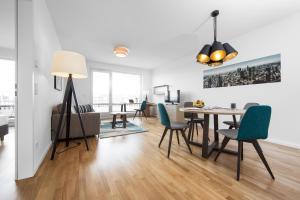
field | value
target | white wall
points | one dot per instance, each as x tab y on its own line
7	53
278	37
36	41
83	86
46	43
25	57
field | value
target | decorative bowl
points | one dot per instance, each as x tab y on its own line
199	104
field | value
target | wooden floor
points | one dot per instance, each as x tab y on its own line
133	167
7	164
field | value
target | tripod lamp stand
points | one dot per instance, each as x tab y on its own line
72	65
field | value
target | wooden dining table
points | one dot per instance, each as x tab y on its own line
209	146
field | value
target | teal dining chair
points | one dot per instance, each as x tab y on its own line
172	126
253	126
141	110
236	124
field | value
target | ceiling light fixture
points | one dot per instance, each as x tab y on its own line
217	53
121	51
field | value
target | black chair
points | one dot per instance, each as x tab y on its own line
172	126
236	124
141	111
254	126
192	118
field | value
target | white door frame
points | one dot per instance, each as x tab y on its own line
24	163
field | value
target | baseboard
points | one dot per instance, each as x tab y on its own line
280	142
42	158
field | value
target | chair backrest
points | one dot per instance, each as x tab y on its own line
143	105
247	106
164	117
186	114
255	123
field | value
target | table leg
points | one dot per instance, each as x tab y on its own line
234	121
205	136
124	121
207	148
113	124
216	127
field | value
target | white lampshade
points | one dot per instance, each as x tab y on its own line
68	62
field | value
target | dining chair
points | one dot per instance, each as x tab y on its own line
172	126
254	126
192	119
232	124
141	110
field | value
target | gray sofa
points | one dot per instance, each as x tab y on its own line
91	123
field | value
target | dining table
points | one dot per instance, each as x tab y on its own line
209	146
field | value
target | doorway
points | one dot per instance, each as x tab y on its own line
7	92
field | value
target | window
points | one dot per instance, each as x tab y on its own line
125	87
101	85
111	89
7	87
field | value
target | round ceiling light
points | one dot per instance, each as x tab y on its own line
121	51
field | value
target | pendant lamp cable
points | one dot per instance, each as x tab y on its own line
215	28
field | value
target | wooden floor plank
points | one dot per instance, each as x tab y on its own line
133	167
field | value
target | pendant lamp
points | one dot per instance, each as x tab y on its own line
217	53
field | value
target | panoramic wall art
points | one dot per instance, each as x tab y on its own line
257	71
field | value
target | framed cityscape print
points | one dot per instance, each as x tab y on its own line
257	71
58	83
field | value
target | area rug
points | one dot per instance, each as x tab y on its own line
106	131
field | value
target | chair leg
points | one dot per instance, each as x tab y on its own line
262	157
202	125
170	143
144	114
188	123
135	114
193	129
239	160
230	127
242	150
163	136
177	137
197	128
186	141
224	143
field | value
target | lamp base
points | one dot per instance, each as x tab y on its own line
67	103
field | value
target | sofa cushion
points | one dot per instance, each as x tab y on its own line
85	108
90	108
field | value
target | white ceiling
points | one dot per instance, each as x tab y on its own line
7	24
156	31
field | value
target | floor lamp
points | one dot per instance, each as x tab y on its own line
72	65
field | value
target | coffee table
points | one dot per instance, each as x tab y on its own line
123	116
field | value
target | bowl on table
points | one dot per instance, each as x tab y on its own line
199	104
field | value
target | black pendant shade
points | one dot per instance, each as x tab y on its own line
203	56
217	53
231	52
